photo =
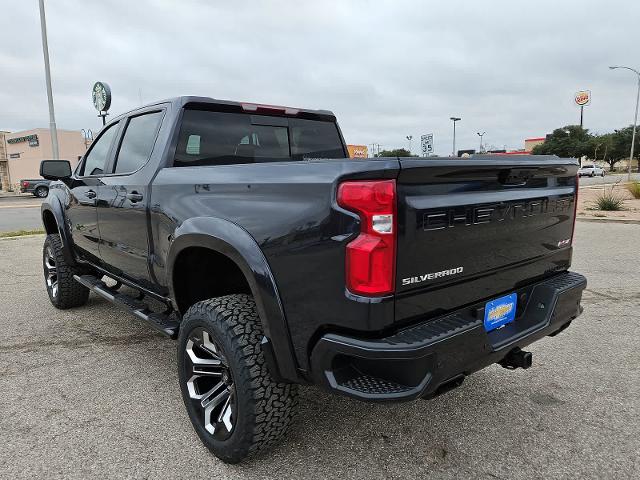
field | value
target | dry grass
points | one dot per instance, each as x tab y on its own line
634	189
21	233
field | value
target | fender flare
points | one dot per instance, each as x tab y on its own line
231	240
53	205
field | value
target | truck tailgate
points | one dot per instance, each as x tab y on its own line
474	228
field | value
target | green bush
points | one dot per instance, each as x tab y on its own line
634	189
610	202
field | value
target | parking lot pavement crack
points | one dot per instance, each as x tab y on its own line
80	343
595	292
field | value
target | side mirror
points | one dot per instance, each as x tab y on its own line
55	169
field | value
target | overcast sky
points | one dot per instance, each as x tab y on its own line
386	69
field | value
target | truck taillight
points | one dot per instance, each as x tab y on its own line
25	184
575	208
371	257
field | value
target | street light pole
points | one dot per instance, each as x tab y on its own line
481	135
47	72
454	119
635	118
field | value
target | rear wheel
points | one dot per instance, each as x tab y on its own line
64	292
42	192
233	403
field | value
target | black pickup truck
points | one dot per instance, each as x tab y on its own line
245	232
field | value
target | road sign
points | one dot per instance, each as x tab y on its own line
426	142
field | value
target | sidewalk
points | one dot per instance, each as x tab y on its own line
4	194
587	209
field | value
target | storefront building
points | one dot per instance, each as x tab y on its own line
22	152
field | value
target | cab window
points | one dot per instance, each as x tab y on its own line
137	143
97	157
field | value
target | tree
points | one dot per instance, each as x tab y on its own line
606	148
621	144
398	152
574	141
570	141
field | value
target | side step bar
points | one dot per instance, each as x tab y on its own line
159	321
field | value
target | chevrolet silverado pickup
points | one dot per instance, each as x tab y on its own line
244	232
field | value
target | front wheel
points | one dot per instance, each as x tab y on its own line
236	408
64	292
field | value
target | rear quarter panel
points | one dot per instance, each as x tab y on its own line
290	210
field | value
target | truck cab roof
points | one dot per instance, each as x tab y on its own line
197	102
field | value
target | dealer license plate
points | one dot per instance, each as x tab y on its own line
500	311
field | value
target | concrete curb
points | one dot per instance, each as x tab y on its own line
15	195
628	221
23	236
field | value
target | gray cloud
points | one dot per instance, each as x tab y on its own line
387	69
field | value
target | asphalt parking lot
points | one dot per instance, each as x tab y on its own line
92	392
19	212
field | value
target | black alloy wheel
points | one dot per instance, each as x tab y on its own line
210	385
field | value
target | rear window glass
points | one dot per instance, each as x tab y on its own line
220	138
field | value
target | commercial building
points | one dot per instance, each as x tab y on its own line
22	152
529	143
358	151
4	167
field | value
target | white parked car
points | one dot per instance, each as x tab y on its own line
591	171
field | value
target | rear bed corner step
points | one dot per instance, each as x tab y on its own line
159	321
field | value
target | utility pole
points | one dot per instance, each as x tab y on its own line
635	119
454	119
47	71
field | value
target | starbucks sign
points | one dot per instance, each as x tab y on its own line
101	96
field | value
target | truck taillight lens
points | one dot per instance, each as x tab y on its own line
575	209
25	184
371	257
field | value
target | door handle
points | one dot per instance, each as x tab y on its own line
134	197
90	194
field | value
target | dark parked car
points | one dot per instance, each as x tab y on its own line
38	187
278	261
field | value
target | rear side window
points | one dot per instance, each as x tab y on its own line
97	158
313	139
137	142
220	138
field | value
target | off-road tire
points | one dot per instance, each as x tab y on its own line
68	293
264	408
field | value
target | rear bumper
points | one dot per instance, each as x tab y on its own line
428	358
